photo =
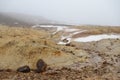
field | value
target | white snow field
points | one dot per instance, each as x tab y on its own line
96	37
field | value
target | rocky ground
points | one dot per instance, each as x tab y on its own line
96	60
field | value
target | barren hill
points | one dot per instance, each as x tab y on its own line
24	46
17	19
69	52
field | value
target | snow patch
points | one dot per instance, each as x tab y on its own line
96	38
78	32
59	28
69	37
70	30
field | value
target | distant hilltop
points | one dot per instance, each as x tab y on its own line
17	19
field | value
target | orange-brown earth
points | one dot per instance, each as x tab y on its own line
98	60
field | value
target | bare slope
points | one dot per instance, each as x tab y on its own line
99	60
24	46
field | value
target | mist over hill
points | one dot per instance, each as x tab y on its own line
17	19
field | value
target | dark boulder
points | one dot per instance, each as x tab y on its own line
24	69
41	66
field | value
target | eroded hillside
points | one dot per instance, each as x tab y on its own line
24	46
66	59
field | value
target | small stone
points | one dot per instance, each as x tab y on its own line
67	44
24	69
8	70
1	70
33	41
0	36
65	40
41	66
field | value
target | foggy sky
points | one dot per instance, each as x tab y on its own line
97	12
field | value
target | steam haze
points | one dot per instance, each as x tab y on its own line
95	12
